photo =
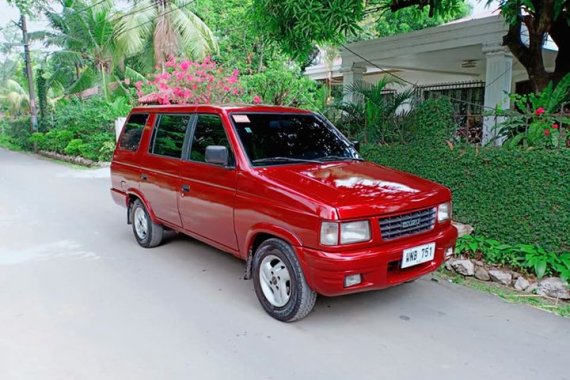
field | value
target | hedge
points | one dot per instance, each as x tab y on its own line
513	196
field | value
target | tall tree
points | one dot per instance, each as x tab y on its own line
86	34
26	7
300	24
171	26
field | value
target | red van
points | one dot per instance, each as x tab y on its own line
284	190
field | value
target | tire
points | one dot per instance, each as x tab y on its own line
285	296
147	233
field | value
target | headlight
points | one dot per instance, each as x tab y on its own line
350	232
444	212
353	232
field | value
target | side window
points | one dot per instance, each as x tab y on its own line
209	131
169	135
131	137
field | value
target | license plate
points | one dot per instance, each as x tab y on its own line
418	255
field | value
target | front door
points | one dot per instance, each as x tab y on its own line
207	192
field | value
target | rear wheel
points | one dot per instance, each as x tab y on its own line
279	282
147	233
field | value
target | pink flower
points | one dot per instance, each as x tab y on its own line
185	65
555	126
256	99
539	111
547	132
138	85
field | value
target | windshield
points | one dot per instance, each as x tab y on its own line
274	139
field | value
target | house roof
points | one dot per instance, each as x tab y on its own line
442	49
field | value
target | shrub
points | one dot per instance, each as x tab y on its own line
281	84
512	196
538	120
57	140
526	257
74	147
18	132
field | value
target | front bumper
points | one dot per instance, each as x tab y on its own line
379	266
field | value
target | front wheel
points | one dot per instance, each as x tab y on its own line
279	282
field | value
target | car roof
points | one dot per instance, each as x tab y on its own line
173	108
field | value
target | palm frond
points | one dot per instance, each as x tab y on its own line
86	80
135	27
195	36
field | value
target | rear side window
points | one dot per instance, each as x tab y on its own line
131	137
169	135
209	131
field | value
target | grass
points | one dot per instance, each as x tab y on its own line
560	308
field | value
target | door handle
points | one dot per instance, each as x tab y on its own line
185	188
144	177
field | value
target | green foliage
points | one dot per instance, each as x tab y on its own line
17	133
527	257
74	147
78	128
298	25
410	19
85	35
282	84
512	196
538	120
8	143
378	116
242	46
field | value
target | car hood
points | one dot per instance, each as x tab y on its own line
358	189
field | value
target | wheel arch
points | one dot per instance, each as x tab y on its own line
260	233
132	196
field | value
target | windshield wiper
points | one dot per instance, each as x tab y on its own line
339	158
283	159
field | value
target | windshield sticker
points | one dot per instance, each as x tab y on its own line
241	119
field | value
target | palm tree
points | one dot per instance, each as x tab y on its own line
86	33
380	114
13	98
159	29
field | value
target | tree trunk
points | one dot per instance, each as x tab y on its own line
29	74
560	34
540	25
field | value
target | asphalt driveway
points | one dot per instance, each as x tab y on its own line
79	299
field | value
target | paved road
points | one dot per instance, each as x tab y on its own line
80	300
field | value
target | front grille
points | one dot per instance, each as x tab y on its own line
407	224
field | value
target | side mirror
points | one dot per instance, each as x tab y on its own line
217	154
356	145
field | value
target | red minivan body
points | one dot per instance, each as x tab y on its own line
298	204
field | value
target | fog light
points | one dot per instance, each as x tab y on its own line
449	252
351	280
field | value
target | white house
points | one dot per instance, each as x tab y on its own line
464	59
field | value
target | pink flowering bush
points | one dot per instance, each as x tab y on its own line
539	120
189	82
